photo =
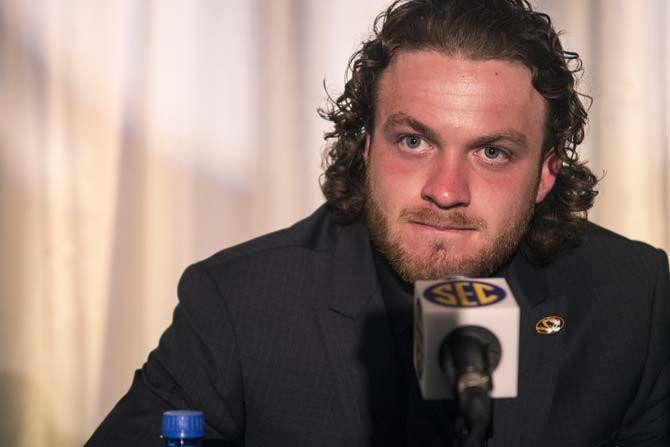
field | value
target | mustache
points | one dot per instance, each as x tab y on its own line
451	219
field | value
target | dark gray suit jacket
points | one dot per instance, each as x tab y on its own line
284	341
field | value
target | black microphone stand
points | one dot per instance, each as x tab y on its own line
468	355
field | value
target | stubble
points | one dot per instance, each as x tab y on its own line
438	259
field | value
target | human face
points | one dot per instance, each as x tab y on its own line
454	163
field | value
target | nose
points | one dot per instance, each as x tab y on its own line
446	185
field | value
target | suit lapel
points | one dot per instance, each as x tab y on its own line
525	417
351	320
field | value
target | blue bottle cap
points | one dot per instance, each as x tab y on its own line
183	424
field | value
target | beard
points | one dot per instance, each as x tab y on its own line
413	263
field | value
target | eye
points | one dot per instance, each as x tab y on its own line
492	152
493	155
411	141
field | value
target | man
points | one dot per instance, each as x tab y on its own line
454	152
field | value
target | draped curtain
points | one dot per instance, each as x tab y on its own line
137	137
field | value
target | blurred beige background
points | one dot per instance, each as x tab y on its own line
138	136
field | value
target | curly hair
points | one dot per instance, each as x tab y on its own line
480	30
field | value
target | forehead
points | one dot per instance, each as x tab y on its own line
445	90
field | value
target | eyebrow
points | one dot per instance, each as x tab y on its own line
510	135
401	118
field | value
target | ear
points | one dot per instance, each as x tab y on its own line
548	172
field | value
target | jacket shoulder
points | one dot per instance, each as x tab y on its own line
315	233
605	254
290	262
601	240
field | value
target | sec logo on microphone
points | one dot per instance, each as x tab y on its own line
465	293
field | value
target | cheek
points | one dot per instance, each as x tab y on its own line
509	192
394	177
392	165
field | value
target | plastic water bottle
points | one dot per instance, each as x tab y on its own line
183	428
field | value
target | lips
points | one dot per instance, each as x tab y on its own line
451	221
443	227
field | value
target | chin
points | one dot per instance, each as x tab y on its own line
435	259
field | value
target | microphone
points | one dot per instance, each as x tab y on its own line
466	344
